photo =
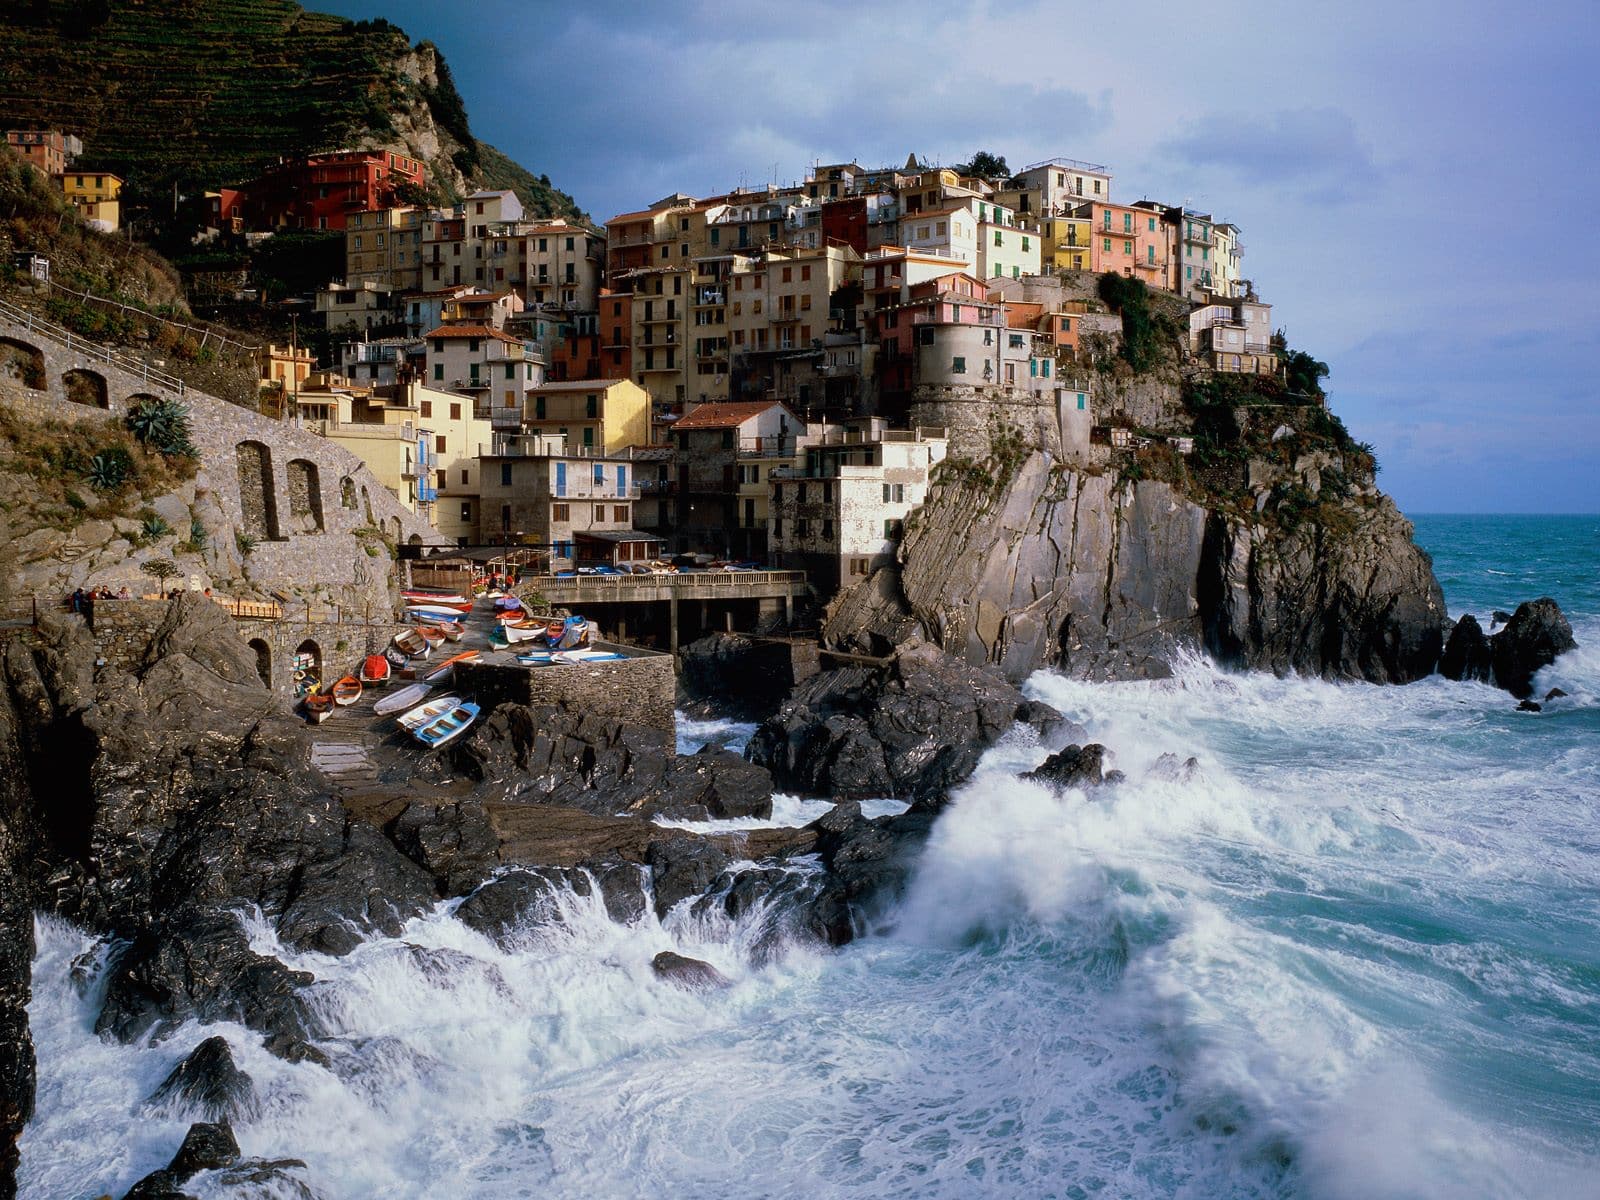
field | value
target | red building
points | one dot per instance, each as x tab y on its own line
321	190
616	334
844	223
576	356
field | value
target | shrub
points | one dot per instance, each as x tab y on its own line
245	542
163	425
109	469
197	533
161	568
154	527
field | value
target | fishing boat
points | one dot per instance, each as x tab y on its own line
412	644
514	617
431	634
511	635
424	596
419	716
452	631
347	691
397	658
318	706
436	612
535	658
407	697
374	670
447	727
448	665
508	603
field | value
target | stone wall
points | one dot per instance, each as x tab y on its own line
295	502
640	689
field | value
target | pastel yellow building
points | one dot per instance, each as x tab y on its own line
595	415
381	427
1068	242
95	194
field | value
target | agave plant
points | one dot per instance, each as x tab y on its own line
155	527
162	425
109	469
197	533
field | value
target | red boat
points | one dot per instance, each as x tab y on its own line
374	670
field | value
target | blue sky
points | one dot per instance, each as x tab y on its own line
1414	181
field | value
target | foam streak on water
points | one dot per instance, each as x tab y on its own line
1354	952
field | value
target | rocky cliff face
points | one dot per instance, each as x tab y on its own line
1103	575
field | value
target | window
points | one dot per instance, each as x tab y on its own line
472	345
1106	245
1082	401
505	516
438	446
438	345
1025	245
999	238
1152	223
894	493
455	412
1044	367
727	439
788	274
958	366
827	528
802	527
591	406
619	512
1015	341
805	272
466	510
538	408
600	514
891	528
560	512
505	474
1127	247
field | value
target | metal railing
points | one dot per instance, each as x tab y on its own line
548	584
77	344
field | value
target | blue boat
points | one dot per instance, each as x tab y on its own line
448	727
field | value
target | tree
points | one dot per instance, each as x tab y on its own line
161	568
1304	374
985	165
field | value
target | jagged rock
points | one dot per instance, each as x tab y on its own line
454	841
520	900
574	760
869	863
1529	706
209	1082
1553	694
1499	616
690	974
1105	578
1466	653
206	1147
1073	766
914	727
739	678
681	867
1536	634
267	1177
1170	768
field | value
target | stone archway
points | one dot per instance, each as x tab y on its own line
258	499
305	496
366	505
396	530
347	493
414	540
263	653
24	363
85	387
307	666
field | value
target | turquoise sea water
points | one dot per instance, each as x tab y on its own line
1354	952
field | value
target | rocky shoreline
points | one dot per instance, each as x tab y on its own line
153	805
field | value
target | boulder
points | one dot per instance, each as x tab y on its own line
914	727
682	866
1072	767
1529	706
1553	694
1537	633
208	1082
869	864
1466	652
740	678
508	906
691	974
206	1147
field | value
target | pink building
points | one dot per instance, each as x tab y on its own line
1134	241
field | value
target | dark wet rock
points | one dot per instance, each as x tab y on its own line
1466	652
603	767
680	867
869	865
1537	633
209	1083
1553	694
692	974
741	678
1529	706
1073	766
206	1147
518	901
277	1178
1499	617
914	727
453	841
445	968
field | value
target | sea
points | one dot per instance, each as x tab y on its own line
1352	952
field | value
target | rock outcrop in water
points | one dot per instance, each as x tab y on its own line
1532	638
1103	576
913	727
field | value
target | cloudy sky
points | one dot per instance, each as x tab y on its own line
1414	181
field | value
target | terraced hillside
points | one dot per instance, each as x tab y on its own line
197	93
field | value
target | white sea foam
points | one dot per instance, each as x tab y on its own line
1353	953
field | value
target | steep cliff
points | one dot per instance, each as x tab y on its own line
1270	547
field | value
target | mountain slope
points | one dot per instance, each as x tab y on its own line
200	93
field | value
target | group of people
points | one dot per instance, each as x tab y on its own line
82	601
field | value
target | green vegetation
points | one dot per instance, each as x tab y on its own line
109	469
163	426
538	195
195	94
984	165
1148	330
160	568
153	527
244	542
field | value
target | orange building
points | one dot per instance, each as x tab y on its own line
616	334
46	150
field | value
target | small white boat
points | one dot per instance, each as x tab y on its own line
423	713
578	657
424	596
510	635
435	612
449	665
406	697
412	644
447	727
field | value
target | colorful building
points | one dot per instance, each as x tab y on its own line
594	415
384	247
45	150
96	196
1134	241
322	191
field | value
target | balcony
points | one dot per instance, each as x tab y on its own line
785	316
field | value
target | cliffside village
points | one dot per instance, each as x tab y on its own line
767	376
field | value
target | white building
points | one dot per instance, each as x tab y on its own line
841	514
